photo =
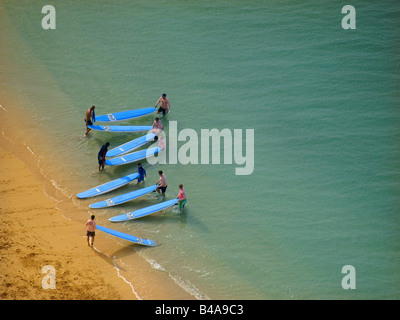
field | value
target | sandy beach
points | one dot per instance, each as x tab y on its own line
34	233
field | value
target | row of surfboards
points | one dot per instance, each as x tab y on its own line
114	201
127	147
136	214
120	116
121	153
122	156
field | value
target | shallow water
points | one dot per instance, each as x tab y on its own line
323	103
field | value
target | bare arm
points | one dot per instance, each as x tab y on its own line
168	105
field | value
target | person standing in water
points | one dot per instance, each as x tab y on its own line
162	183
89	119
157	126
165	105
182	197
101	156
142	173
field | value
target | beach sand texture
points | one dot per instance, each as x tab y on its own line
34	234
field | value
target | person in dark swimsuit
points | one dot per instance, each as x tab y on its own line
165	105
101	156
142	173
89	118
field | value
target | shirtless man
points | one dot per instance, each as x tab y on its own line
89	118
162	183
91	229
165	105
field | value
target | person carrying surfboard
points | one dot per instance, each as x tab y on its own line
165	105
157	126
142	173
162	183
91	228
89	119
182	197
101	156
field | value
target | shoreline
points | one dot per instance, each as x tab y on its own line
35	233
41	223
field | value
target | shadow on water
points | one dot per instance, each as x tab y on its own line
129	249
173	216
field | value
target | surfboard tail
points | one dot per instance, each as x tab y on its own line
128	237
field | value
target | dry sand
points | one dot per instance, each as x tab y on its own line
33	234
33	231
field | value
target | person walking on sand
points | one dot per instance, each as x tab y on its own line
142	173
182	197
89	119
162	183
165	105
101	156
91	228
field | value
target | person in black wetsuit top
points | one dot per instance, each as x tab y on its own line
142	173
102	155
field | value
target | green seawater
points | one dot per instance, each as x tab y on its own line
323	103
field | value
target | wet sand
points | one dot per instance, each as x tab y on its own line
34	233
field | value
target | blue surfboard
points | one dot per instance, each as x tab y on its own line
144	211
109	186
124	115
123	198
120	128
132	157
129	237
130	146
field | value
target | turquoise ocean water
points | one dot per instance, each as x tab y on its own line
323	103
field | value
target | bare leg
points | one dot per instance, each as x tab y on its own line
87	130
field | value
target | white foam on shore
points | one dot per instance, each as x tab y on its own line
123	278
60	188
184	284
54	183
155	265
189	287
50	197
119	273
7	138
30	150
64	216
